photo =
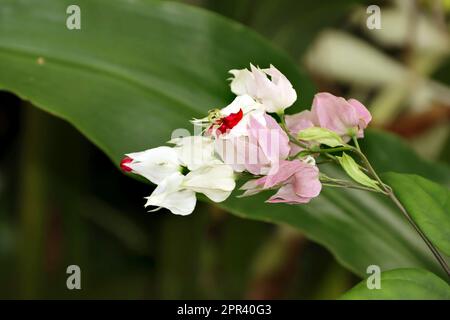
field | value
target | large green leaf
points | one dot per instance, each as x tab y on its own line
390	153
403	284
139	69
428	204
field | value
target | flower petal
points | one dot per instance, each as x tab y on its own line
154	164
275	93
281	173
306	181
216	181
194	151
168	194
286	194
271	138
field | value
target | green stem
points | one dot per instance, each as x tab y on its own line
355	141
332	182
351	186
391	195
325	151
427	241
387	190
329	150
293	139
333	158
371	170
324	161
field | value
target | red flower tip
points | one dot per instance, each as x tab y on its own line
124	162
230	121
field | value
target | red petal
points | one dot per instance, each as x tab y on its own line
232	119
124	162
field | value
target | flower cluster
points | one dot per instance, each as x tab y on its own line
253	135
180	171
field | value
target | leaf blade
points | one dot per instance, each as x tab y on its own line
428	204
354	171
403	284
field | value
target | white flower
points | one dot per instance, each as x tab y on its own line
154	164
175	191
169	194
276	93
194	151
215	180
244	102
249	107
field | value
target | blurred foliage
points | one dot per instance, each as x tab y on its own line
292	25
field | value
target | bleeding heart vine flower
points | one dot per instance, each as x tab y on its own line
282	155
193	152
180	171
231	121
268	145
244	137
275	94
348	118
177	191
297	182
215	180
153	164
171	195
229	127
263	145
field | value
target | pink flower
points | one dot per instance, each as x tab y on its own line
263	146
271	141
300	188
345	117
298	181
268	145
233	150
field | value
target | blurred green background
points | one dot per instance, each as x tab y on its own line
63	202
